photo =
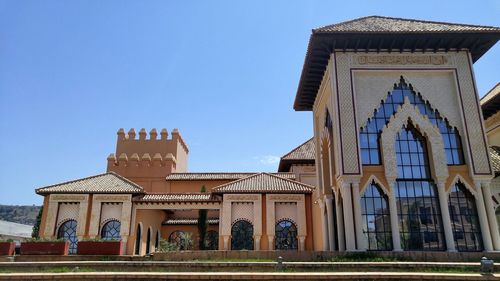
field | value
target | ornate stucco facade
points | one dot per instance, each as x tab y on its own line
399	159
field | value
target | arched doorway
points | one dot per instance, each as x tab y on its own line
67	231
286	235
242	236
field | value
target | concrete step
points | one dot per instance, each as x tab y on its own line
235	266
247	276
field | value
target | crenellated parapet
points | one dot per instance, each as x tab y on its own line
147	156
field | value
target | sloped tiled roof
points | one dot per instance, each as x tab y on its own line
390	24
376	33
302	154
495	158
177	197
188	221
305	151
103	183
264	183
219	176
490	103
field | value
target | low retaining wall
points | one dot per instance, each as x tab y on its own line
323	256
273	255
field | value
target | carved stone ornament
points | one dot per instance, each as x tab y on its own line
112	197
68	197
242	197
284	197
403	60
437	155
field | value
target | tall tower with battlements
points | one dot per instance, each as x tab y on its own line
147	161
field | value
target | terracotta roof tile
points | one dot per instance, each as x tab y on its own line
375	24
264	183
177	197
188	221
102	183
219	176
305	151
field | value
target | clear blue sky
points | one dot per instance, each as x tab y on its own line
224	72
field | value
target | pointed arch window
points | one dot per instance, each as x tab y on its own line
464	219
370	134
419	213
375	218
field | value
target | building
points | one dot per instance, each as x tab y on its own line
399	159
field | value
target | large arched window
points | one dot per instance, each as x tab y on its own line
419	213
464	219
212	240
181	239
67	231
138	239
242	236
375	218
111	230
370	134
286	235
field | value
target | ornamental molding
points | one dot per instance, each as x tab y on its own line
68	197
402	60
436	154
111	198
242	197
371	179
458	178
284	197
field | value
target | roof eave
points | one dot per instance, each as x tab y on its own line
330	41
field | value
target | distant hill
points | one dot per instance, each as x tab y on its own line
19	214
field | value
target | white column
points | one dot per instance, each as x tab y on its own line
350	241
50	222
257	242
301	217
125	218
82	218
270	226
270	242
340	223
324	224
393	213
302	243
226	242
95	216
361	241
331	230
483	219
445	214
490	212
257	212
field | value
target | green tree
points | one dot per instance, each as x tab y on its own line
36	228
202	224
